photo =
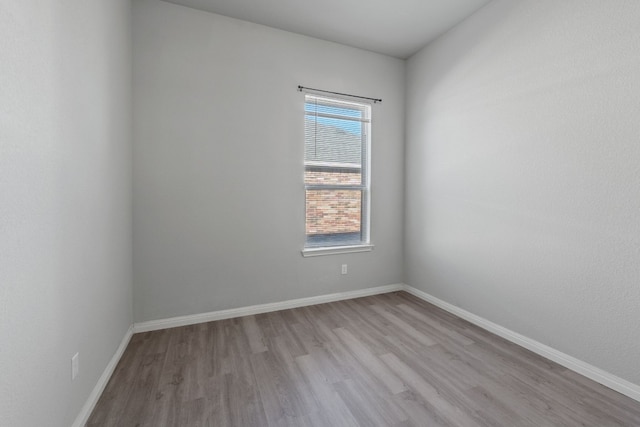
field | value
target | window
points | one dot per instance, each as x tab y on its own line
336	175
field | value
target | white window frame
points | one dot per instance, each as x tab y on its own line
364	187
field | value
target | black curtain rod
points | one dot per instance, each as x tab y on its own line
375	100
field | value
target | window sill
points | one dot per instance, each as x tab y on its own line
335	250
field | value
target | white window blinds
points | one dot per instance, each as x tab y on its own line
337	139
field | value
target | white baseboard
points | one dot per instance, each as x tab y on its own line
605	378
261	308
86	410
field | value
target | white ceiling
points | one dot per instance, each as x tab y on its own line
393	27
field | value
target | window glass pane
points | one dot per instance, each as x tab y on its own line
333	217
332	141
336	154
334	108
332	176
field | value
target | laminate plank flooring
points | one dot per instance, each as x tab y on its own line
385	360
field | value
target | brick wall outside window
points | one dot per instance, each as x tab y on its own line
333	211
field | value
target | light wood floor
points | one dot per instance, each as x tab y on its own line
387	360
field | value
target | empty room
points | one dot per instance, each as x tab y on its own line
330	213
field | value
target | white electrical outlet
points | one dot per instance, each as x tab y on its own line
75	366
344	268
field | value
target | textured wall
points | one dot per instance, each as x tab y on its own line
523	176
65	202
218	163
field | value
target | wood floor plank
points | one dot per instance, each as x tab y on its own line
317	345
170	389
418	413
246	407
594	395
117	392
285	360
435	324
141	401
282	400
359	398
329	398
277	328
368	359
454	415
402	327
253	334
385	360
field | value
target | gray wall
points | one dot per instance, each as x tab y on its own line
65	202
523	177
219	140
